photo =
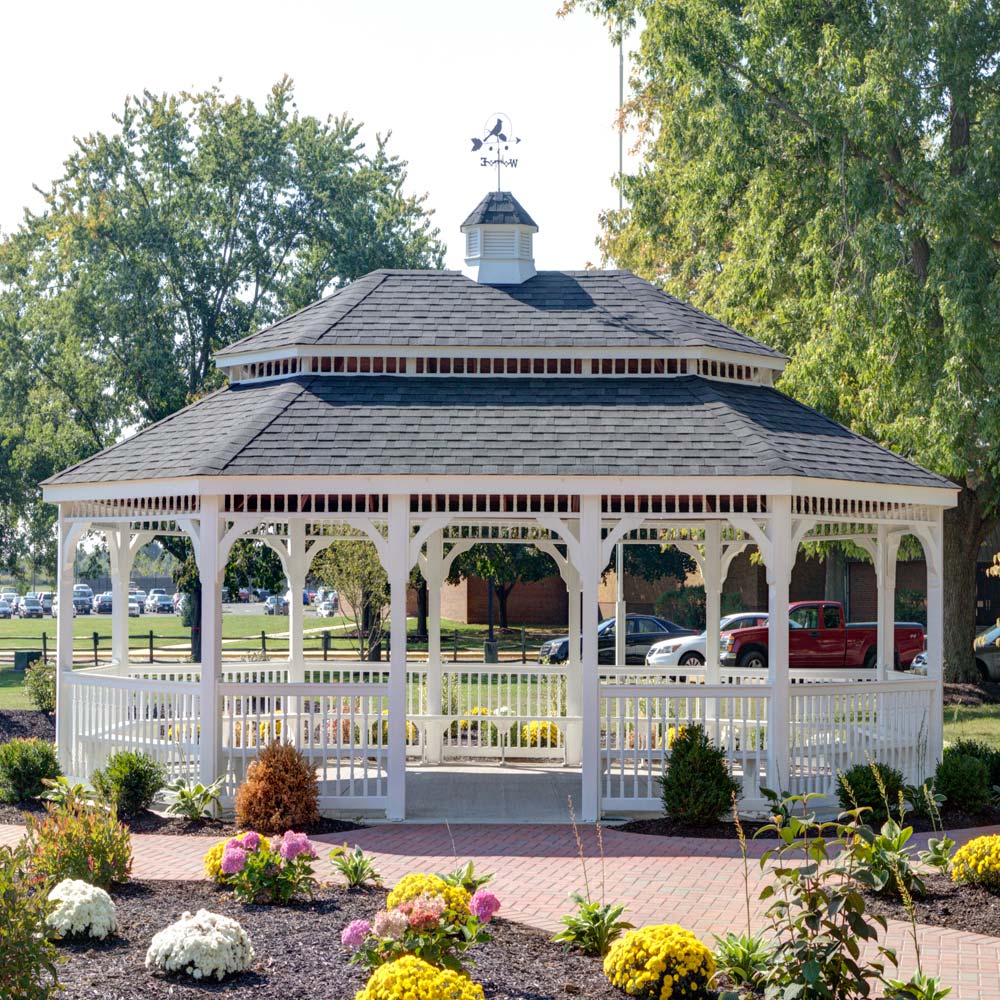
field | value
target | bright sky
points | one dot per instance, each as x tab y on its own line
430	71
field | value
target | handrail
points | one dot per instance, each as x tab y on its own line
77	678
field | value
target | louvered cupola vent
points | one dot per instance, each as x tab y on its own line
498	241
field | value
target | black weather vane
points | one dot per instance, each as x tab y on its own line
496	145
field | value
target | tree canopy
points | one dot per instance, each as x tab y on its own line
825	178
196	220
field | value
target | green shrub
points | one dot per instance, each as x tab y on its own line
981	750
40	686
129	781
24	765
859	787
78	840
964	782
28	969
696	787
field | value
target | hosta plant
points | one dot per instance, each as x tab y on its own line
357	868
203	945
81	908
465	876
594	926
193	800
917	987
885	858
60	792
742	958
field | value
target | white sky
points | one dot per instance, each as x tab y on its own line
430	71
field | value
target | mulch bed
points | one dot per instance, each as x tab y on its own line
982	693
298	951
664	826
947	904
24	723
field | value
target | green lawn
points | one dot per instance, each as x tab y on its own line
972	722
11	690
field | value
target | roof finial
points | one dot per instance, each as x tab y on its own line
496	142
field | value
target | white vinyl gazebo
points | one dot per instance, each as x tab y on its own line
427	411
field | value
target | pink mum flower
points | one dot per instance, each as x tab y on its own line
483	905
293	844
354	934
251	841
390	924
234	858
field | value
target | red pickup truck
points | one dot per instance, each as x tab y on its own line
818	637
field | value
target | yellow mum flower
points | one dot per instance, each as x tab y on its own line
415	884
660	962
978	862
412	978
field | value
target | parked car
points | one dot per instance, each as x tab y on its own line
29	607
133	608
987	650
14	603
325	609
180	603
46	598
243	595
83	598
8	596
641	632
102	603
140	598
689	651
818	636
55	607
159	604
5	611
276	605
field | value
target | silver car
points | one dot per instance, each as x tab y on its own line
987	650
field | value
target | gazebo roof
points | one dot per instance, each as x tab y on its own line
595	310
419	425
499	208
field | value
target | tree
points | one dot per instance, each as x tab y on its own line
253	564
353	569
198	219
506	565
824	176
654	562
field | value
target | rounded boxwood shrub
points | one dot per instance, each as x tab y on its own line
24	765
696	787
964	782
981	750
280	792
858	787
129	781
662	961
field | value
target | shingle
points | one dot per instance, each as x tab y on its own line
554	309
374	425
499	208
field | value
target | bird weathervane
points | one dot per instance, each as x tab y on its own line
496	145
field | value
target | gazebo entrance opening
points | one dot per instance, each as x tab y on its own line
606	729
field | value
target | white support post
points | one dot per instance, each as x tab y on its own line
434	575
711	571
621	623
885	573
398	571
779	573
574	674
934	553
297	568
210	573
118	540
64	640
589	568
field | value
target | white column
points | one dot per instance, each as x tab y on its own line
119	550
935	636
885	574
620	611
64	641
434	575
210	573
711	571
589	569
398	570
297	568
779	572
574	675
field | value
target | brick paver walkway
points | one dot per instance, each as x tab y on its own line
698	884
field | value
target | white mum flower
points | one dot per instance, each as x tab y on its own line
203	945
81	908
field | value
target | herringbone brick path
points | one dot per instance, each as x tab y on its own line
698	884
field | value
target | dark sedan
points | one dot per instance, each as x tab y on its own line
29	607
641	632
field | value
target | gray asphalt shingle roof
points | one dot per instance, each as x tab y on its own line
373	425
584	309
499	208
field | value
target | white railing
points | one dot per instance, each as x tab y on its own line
109	713
341	727
639	723
832	728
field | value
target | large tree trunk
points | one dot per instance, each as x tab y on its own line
502	593
422	609
965	527
194	611
836	577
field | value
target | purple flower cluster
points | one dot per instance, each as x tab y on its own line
234	854
353	935
483	905
293	844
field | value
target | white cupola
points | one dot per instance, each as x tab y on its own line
498	237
